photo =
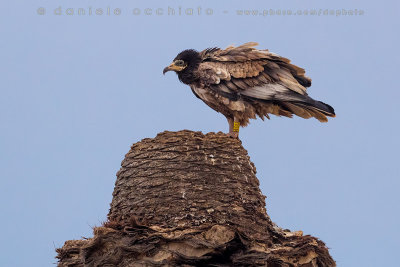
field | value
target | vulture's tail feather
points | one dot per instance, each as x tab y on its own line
314	108
300	105
325	108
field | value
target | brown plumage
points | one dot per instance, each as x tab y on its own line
244	82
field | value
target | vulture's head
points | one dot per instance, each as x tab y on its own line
184	64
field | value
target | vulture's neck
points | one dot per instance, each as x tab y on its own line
187	76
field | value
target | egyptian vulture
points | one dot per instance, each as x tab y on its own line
244	82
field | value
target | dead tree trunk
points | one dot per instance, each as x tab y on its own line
188	199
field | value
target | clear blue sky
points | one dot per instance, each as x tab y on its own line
78	90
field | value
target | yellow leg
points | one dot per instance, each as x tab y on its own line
234	126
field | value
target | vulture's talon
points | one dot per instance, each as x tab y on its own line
233	135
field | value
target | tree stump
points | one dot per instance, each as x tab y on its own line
189	199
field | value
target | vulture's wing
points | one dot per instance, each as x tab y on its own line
261	76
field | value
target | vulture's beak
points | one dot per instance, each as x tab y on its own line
172	67
166	69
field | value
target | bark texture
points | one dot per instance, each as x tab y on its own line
189	199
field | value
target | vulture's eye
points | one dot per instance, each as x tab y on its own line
179	63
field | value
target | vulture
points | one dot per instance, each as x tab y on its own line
244	82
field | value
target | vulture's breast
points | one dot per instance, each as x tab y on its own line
218	102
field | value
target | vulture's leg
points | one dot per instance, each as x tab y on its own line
234	126
230	121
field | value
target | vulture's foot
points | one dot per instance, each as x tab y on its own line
233	135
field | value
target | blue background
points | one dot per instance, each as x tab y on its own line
77	91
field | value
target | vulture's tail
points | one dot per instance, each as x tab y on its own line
311	108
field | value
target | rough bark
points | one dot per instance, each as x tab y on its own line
188	199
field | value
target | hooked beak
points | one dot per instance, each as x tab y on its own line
166	69
173	67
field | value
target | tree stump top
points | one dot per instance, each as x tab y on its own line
189	199
187	179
